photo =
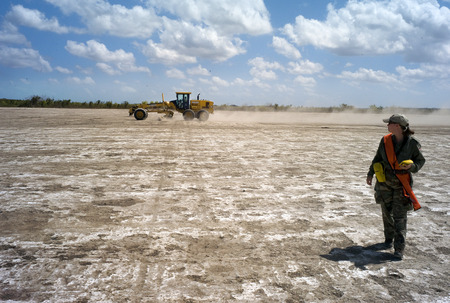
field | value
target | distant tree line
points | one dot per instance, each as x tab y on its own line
37	101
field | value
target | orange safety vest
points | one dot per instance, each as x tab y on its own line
405	179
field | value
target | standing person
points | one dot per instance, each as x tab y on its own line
393	187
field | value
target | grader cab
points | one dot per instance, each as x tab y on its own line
190	109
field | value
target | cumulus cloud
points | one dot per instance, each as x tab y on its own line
219	81
107	69
230	17
96	51
216	81
198	71
9	34
158	53
283	47
425	71
249	83
33	18
77	80
175	73
417	29
308	82
128	89
102	17
63	70
260	63
23	58
264	70
182	42
205	29
369	75
305	67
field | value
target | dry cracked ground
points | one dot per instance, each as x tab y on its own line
246	207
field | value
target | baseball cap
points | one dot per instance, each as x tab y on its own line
397	119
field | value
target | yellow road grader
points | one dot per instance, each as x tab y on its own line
190	109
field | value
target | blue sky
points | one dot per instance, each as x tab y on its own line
244	52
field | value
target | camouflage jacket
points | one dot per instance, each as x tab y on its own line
408	149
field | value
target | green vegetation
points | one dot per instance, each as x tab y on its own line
36	101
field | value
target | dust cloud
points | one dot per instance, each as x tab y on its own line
439	118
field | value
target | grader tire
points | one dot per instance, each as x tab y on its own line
188	115
203	115
140	114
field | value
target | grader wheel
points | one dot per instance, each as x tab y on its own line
140	114
188	115
203	115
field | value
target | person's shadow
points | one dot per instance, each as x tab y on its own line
361	256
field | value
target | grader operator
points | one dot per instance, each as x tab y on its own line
190	109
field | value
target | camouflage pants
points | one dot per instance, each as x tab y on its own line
394	208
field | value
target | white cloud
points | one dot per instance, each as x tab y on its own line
9	34
175	73
86	80
369	75
63	70
249	83
283	47
260	63
98	52
302	68
425	71
102	17
263	74
129	66
218	81
183	42
198	71
418	29
305	81
84	70
228	18
305	67
200	28
128	89
34	18
23	58
158	53
264	70
107	69
284	89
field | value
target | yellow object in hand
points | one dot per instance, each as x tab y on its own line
379	172
406	162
